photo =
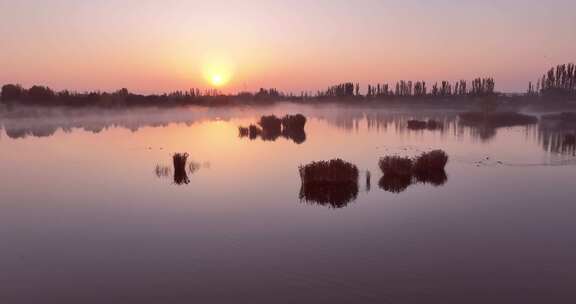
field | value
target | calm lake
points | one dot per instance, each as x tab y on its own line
90	211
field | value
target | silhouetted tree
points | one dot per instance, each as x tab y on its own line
559	81
482	87
341	90
11	92
40	95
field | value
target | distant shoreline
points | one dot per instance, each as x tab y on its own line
557	85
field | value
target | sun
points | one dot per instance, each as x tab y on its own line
217	80
217	70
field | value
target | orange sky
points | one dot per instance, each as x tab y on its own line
157	46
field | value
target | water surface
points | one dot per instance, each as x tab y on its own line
86	216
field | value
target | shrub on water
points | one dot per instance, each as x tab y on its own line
180	175
271	127
243	131
293	122
271	124
396	165
333	182
332	171
293	127
401	172
254	131
431	161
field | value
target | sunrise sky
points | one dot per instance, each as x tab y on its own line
157	46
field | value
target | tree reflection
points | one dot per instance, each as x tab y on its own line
557	133
484	124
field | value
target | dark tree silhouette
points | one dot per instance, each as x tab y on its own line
341	90
40	95
482	87
11	92
559	81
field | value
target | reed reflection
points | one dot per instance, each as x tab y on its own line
331	183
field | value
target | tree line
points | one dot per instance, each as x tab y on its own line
403	88
558	81
42	95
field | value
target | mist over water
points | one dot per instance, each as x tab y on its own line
94	208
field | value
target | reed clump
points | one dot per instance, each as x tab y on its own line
292	123
332	171
179	162
293	127
271	124
401	172
431	161
270	128
396	165
243	131
333	182
254	132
